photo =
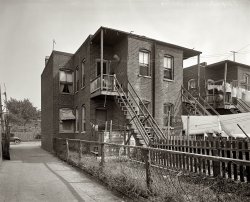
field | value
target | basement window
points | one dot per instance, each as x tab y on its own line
66	81
67	120
168	114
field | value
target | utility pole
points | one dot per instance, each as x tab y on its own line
234	52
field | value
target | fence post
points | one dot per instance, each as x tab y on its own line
67	149
216	164
148	169
102	155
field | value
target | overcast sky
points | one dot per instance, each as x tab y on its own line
27	28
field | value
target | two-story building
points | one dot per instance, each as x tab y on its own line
224	85
116	83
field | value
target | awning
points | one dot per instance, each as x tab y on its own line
67	114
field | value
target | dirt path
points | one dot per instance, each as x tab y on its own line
35	175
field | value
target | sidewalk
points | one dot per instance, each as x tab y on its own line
35	175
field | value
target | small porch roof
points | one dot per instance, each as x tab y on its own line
112	36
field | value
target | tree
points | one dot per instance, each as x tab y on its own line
21	111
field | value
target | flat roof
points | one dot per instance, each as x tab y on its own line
113	35
229	63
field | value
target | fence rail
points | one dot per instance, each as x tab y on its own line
228	159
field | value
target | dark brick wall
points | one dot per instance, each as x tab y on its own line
52	100
141	84
127	68
47	106
192	73
168	91
241	71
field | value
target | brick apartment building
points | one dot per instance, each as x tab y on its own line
131	81
224	85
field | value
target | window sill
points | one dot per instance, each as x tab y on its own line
166	128
66	131
83	87
168	80
149	77
76	131
66	93
84	132
76	92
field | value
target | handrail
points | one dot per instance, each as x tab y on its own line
197	103
148	113
200	113
145	137
243	104
210	107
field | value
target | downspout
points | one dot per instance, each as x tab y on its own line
101	59
225	80
199	74
153	80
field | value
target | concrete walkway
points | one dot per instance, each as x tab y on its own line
35	175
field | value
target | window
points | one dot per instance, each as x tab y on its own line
168	65
66	81
168	114
142	109
77	80
246	83
144	63
67	120
83	73
98	68
83	119
191	84
77	121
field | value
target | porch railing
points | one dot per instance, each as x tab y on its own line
108	83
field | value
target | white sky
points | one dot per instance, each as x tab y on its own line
27	28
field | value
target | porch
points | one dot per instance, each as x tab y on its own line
104	84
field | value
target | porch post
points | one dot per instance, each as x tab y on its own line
101	59
199	74
225	80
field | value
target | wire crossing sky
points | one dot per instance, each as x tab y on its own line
28	28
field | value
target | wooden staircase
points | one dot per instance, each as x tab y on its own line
194	105
242	106
140	122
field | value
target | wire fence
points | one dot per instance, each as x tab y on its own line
147	173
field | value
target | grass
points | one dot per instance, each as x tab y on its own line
129	177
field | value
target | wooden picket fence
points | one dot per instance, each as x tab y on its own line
216	157
228	159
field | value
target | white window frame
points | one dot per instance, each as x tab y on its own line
83	119
168	66
77	120
191	84
83	83
144	62
77	86
171	111
66	82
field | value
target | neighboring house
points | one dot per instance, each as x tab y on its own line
224	85
131	81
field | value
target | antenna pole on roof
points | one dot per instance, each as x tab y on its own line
54	42
234	52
